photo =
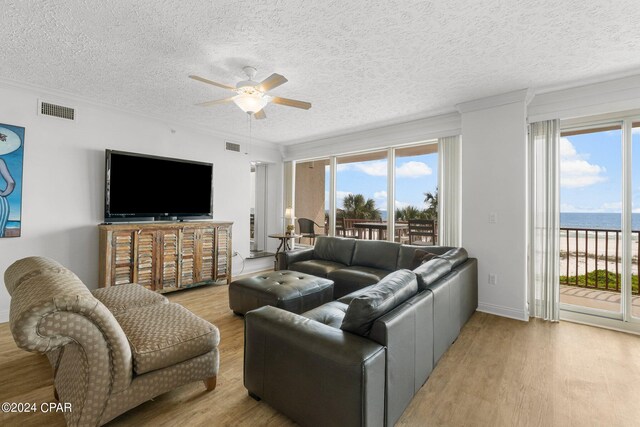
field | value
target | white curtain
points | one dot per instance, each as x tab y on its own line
544	255
450	191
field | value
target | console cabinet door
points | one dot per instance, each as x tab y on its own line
223	254
187	257
122	257
206	254
145	259
168	260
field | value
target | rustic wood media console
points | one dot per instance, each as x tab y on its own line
165	257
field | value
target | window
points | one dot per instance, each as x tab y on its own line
363	206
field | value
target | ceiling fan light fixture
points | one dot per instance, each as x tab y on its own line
251	103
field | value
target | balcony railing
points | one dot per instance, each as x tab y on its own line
591	258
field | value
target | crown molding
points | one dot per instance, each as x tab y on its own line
522	95
609	96
74	98
379	137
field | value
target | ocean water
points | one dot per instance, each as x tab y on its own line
597	221
13	224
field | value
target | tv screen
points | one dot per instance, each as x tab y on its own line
149	187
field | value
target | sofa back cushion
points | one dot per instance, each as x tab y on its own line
456	255
336	249
431	271
406	254
378	300
377	254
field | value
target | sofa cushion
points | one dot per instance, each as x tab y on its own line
457	256
431	271
407	252
330	314
316	267
349	297
336	249
349	279
163	335
420	257
123	297
381	298
377	254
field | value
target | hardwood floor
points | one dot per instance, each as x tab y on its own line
500	372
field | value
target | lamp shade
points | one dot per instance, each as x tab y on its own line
251	103
288	213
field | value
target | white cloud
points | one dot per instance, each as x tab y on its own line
575	171
401	205
612	206
607	207
376	168
413	170
379	168
380	195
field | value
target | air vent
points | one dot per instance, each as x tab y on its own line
231	146
53	110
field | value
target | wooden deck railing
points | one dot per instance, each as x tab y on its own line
591	258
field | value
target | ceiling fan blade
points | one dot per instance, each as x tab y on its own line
210	82
260	115
217	101
273	81
291	102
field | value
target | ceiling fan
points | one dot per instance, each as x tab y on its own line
252	96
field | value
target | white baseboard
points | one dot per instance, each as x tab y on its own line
4	316
503	311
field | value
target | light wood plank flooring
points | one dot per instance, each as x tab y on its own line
500	372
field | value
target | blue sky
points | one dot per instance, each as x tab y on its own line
415	175
591	172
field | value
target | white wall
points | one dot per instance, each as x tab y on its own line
64	179
494	177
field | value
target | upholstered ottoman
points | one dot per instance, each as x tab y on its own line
288	290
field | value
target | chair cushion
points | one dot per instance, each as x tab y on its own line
316	267
123	297
381	298
163	335
377	254
336	249
431	271
331	313
350	279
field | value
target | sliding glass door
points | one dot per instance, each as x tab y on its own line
600	219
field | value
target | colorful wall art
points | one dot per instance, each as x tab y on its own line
11	162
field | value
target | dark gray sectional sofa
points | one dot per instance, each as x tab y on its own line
360	359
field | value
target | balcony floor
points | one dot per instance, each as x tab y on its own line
596	298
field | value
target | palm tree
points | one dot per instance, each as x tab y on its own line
410	212
355	206
431	199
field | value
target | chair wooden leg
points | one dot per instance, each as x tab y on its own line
210	383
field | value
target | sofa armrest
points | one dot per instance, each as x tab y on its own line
291	257
313	373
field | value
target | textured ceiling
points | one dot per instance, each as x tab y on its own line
360	63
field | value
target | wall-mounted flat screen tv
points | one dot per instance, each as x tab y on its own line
139	187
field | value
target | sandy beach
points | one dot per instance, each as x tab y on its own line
591	251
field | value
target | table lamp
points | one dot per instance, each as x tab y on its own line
288	214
